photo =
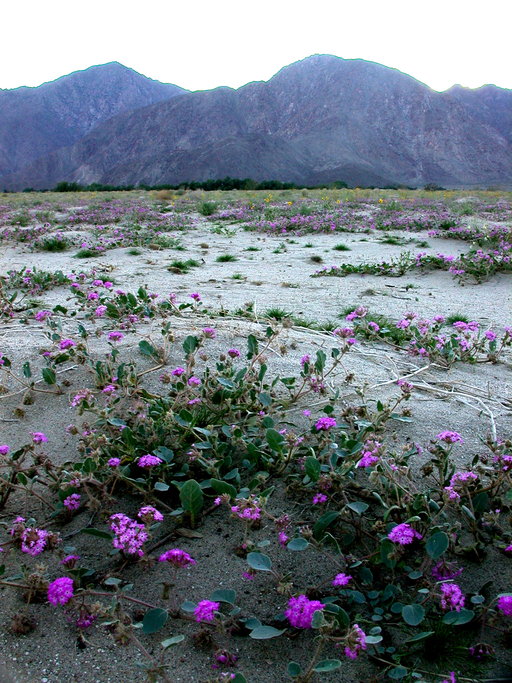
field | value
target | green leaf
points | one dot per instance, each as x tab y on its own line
147	349
259	562
112	581
27	372
312	467
188	606
190	344
358	507
437	544
98	532
420	636
274	440
327	665
265	632
387	548
172	641
297	544
318	619
320	361
191	497
294	669
154	620
224	595
49	375
458	618
252	346
223	487
397	673
161	486
323	522
413	614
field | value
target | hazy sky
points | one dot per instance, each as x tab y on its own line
198	44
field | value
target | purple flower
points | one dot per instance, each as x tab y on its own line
100	311
403	534
209	332
319	498
177	372
452	597
115	336
60	591
149	461
114	462
130	536
325	423
205	610
194	381
305	359
150	514
195	296
300	611
33	541
450	437
72	502
233	353
70	561
66	344
39	437
341	580
177	557
504	604
356	642
42	315
4	449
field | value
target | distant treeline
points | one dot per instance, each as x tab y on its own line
226	183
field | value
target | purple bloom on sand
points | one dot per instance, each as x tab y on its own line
39	437
149	461
300	611
341	579
450	437
177	557
403	534
325	423
205	610
504	604
60	591
72	502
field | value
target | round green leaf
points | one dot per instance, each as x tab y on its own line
265	632
413	614
327	665
172	641
226	595
154	620
458	618
260	562
297	544
437	544
294	669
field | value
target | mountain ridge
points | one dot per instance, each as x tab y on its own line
317	120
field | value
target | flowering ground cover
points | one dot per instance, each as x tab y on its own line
238	470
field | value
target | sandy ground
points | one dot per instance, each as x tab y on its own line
475	400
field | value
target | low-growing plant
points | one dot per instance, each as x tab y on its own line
226	258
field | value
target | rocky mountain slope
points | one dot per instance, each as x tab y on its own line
318	120
36	121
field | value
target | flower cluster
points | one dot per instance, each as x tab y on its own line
301	610
130	536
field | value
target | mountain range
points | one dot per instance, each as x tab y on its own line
319	120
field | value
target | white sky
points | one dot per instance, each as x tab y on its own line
201	44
